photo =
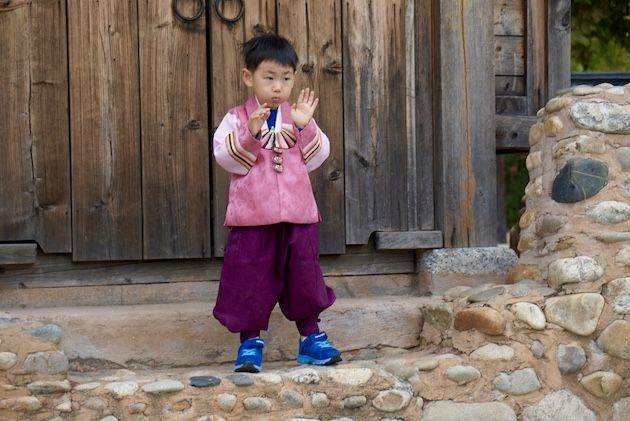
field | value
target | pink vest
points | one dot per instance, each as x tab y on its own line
260	195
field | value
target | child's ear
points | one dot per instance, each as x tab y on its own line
248	77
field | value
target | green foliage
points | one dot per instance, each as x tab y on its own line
600	35
515	177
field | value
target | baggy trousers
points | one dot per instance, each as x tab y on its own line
269	264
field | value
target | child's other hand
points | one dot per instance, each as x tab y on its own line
302	111
257	119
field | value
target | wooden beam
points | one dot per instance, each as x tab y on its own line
58	270
408	240
512	132
18	254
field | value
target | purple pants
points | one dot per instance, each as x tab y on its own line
268	264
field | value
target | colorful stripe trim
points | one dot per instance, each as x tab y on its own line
312	148
237	152
285	139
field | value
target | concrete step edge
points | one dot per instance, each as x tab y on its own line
186	334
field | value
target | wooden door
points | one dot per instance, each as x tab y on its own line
138	120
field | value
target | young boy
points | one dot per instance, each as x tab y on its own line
272	251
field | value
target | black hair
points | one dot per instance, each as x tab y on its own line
269	46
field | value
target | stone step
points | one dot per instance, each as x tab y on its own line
186	334
442	269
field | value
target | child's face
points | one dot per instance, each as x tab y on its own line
271	82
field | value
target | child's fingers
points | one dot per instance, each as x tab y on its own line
311	97
315	103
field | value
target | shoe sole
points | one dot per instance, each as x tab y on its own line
305	359
247	367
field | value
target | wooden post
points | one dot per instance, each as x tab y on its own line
536	57
465	185
558	45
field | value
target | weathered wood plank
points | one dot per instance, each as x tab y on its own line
34	139
509	85
374	118
536	55
511	105
60	271
408	240
174	124
465	158
17	254
227	88
509	17
105	130
314	28
509	56
558	45
424	110
512	133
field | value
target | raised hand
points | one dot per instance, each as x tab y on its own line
302	111
257	119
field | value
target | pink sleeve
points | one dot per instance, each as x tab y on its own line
235	149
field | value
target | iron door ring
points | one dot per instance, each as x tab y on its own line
197	15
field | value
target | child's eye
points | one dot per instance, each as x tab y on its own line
269	78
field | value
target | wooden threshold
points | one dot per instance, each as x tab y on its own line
408	240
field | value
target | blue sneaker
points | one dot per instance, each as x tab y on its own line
249	358
315	349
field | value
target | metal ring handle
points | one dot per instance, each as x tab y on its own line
197	15
241	10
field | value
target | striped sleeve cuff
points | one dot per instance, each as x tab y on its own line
238	152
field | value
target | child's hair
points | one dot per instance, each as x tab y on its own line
269	46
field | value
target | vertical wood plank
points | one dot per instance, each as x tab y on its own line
105	132
509	17
314	28
374	118
558	45
174	127
424	46
17	192
466	166
413	222
227	88
34	140
536	73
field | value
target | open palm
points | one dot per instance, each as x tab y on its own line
302	111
